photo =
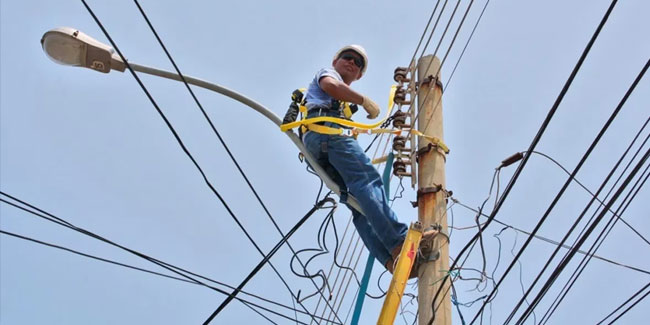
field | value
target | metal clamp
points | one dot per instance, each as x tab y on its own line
427	81
434	189
428	148
426	190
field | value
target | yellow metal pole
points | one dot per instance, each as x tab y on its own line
401	275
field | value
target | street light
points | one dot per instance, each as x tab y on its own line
69	46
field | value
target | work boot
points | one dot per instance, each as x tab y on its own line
426	241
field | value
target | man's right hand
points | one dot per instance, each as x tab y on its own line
371	107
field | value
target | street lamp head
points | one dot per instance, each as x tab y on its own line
68	46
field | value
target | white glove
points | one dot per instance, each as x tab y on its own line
371	107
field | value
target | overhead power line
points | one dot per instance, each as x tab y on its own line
550	241
462	53
424	32
615	217
442	63
592	194
247	302
433	30
223	143
532	147
625	303
266	259
460	57
536	140
460	25
57	220
595	246
171	128
582	239
565	186
184	148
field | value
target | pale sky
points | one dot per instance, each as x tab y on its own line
91	149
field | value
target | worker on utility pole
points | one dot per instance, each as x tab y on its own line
344	160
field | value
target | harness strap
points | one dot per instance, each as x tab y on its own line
322	129
434	140
342	121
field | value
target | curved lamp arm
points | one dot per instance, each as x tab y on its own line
69	46
259	108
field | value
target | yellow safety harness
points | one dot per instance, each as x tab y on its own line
354	128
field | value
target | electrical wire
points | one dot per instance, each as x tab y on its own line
433	30
98	258
483	276
322	239
180	142
446	29
434	75
175	269
604	233
592	194
581	241
591	252
630	307
318	252
495	177
460	57
399	191
583	159
579	270
269	319
448	83
350	272
550	241
540	132
496	265
336	251
444	33
350	275
460	26
521	274
205	115
625	303
583	262
594	248
267	258
338	297
424	32
345	321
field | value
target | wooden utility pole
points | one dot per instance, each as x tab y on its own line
432	195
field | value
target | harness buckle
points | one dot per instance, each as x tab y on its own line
347	132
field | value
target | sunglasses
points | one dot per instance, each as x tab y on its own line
357	61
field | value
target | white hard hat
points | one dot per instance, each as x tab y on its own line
359	50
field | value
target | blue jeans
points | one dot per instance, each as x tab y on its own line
347	164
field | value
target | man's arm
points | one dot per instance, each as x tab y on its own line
339	90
